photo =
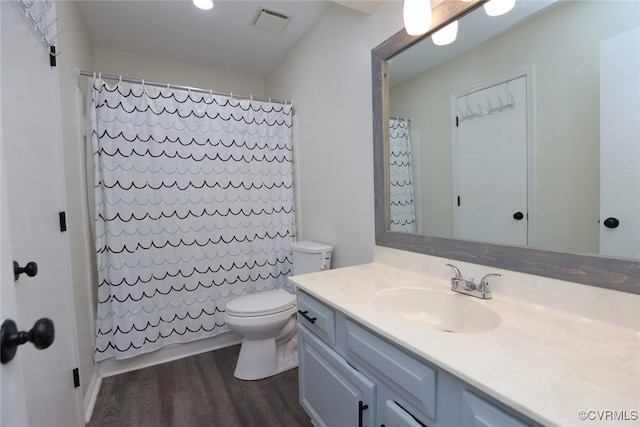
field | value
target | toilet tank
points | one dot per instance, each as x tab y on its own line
309	257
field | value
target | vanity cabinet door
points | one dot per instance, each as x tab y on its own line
477	412
331	391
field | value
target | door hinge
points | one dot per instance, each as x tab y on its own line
76	378
457	123
458	200
63	221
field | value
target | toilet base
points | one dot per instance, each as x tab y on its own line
271	362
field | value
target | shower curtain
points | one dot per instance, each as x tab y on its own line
193	207
402	210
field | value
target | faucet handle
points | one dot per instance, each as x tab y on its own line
484	284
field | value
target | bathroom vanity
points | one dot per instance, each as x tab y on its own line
370	356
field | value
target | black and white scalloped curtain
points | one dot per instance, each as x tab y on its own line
193	206
402	210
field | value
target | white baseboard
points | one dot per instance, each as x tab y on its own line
110	367
91	395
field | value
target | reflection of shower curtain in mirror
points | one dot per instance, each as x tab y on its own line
402	210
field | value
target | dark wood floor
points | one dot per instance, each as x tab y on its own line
198	391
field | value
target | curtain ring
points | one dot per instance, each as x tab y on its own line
231	95
94	74
120	80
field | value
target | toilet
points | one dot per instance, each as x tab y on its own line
266	321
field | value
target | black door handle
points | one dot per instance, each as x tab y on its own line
518	216
31	269
611	222
41	335
305	314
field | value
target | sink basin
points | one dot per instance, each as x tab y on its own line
440	311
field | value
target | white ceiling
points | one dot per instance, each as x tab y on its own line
222	37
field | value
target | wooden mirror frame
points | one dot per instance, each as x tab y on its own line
605	272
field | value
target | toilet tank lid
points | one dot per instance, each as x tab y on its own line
309	247
261	303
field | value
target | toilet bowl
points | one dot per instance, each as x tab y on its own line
266	322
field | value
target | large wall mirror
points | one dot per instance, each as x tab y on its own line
506	147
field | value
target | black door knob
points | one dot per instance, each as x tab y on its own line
518	216
31	269
41	335
611	222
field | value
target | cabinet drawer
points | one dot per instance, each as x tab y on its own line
411	379
478	412
398	417
332	392
316	316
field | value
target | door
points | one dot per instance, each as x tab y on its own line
620	145
32	178
11	375
331	391
490	156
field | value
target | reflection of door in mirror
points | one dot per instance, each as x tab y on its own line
401	192
620	145
490	145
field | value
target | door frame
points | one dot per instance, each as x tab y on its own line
529	72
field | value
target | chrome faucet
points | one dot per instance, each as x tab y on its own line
469	287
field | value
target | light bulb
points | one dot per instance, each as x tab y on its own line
498	7
445	35
417	16
203	4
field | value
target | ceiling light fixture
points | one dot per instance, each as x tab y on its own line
203	4
498	7
417	16
446	35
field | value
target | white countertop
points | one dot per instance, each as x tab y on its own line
546	364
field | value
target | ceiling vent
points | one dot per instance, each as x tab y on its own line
271	21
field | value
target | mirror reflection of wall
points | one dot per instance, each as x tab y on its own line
562	44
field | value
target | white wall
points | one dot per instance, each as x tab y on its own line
328	77
179	73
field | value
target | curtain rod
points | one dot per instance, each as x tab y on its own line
179	87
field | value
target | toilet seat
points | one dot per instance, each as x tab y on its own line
261	303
